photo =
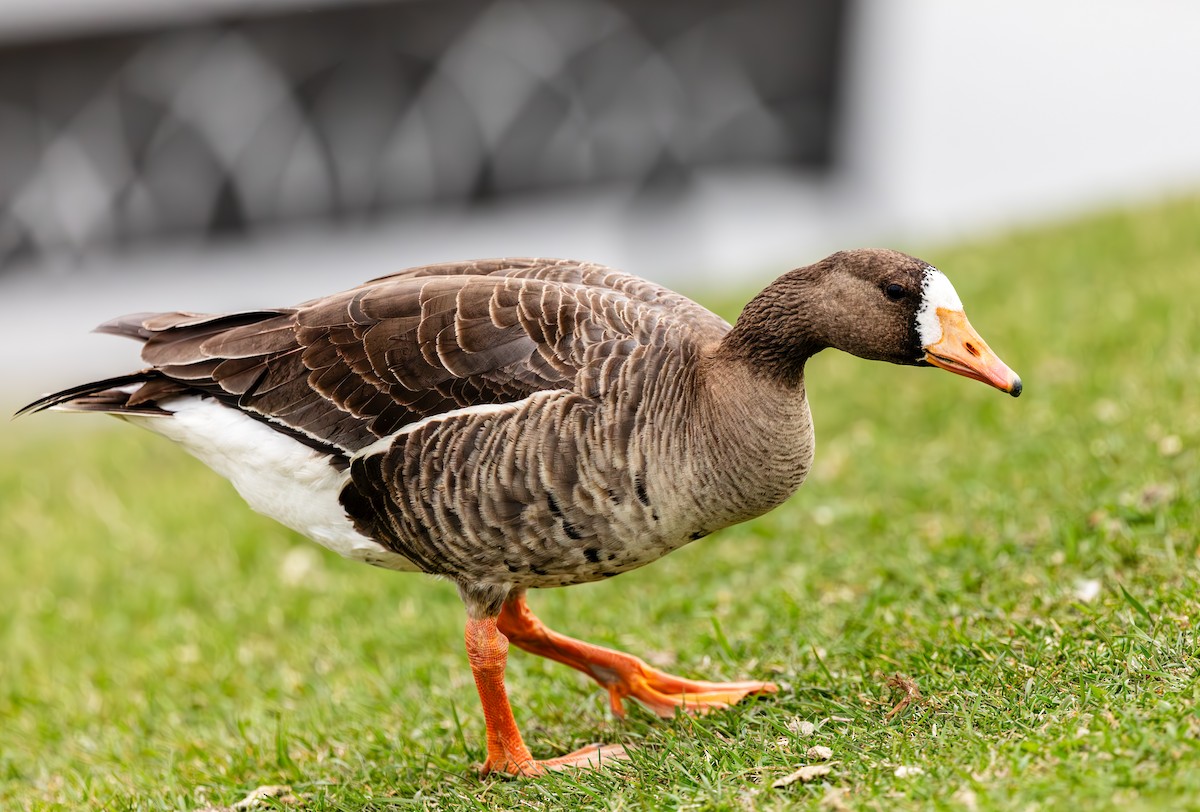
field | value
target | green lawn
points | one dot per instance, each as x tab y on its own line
1031	564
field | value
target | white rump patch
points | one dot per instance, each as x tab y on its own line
277	475
936	293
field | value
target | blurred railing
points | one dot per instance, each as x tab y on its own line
211	129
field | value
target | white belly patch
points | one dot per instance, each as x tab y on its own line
277	475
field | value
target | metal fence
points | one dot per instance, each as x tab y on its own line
346	113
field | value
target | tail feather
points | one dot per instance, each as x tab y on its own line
144	326
122	395
130	326
108	395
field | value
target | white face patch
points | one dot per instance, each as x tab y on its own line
936	293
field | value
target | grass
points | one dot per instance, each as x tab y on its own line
1031	565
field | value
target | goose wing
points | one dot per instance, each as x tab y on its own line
345	370
699	319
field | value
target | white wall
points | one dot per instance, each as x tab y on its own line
969	115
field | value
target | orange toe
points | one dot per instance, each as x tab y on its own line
665	694
591	757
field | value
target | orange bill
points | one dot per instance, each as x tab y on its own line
960	350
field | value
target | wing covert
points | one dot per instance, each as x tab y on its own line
350	368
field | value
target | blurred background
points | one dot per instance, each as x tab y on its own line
221	154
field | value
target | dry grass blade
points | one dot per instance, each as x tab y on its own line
805	775
899	682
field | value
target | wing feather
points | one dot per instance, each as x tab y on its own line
349	368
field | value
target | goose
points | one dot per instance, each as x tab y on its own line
513	424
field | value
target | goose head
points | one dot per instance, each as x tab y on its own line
874	303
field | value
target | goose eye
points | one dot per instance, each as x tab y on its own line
894	292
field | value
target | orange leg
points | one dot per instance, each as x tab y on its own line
622	674
487	650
